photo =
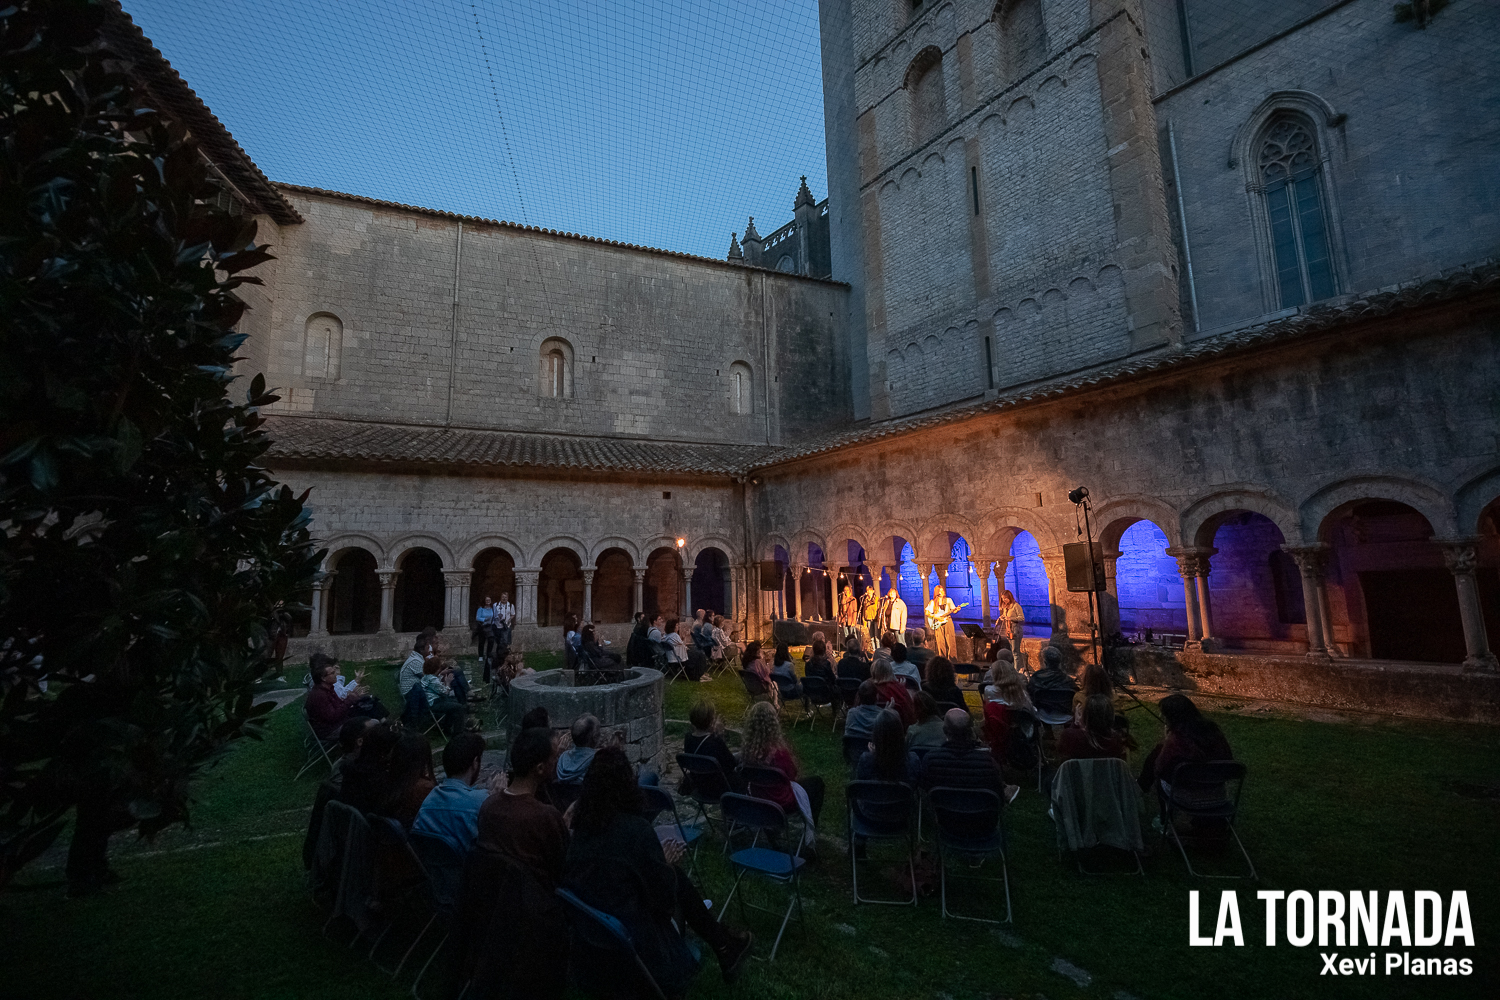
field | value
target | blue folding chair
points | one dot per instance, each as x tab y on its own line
764	817
970	826
881	810
596	933
657	801
770	784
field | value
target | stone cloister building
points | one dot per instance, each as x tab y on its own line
1190	255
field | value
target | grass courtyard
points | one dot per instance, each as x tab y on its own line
220	910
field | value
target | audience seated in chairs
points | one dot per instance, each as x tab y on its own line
942	683
408	780
860	720
351	745
595	655
854	663
819	665
1011	735
574	762
888	759
511	934
961	762
755	662
617	864
725	648
443	691
928	732
1097	736
707	740
1051	688
422	650
892	691
917	653
327	710
784	673
903	666
888	641
764	745
366	778
638	650
1189	738
451	810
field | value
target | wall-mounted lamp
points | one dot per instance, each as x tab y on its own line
681	542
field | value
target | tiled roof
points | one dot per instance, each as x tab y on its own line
313	439
173	96
345	196
1307	321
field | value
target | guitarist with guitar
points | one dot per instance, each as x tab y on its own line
940	611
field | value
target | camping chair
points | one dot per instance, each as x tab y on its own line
1096	803
881	810
657	801
817	692
708	785
1026	730
755	688
785	867
970	826
596	935
1198	789
318	749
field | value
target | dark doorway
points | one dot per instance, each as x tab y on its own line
354	596
1413	615
710	591
419	592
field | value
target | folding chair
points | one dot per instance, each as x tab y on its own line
881	810
785	867
849	691
317	748
418	714
970	825
1198	790
817	692
444	868
755	688
1029	725
772	785
708	785
1095	802
596	933
854	748
658	801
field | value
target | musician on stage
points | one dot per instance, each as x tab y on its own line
940	611
896	614
869	615
1009	617
849	619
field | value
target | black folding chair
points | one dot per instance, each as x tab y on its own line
881	810
317	748
444	868
1200	790
849	691
817	693
755	688
854	748
657	801
598	936
970	826
772	863
709	782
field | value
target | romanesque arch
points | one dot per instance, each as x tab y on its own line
403	544
472	549
354	594
559	585
420	590
494	576
1422	497
1115	516
662	590
345	540
1201	518
1470	500
614	585
617	542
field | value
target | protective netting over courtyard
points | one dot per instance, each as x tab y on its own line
659	123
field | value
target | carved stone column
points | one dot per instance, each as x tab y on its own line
1462	559
1109	601
588	595
982	570
526	580
640	591
925	568
1187	569
321	597
455	583
1205	612
1310	561
388	578
687	594
894	572
1057	579
797	571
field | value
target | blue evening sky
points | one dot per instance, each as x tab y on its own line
661	123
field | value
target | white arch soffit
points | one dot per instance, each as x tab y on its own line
1133	507
568	542
1197	515
1473	497
401	546
348	541
1010	522
698	545
473	548
1422	497
614	542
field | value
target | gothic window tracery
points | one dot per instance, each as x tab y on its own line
1291	183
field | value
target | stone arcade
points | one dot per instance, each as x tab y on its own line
1064	256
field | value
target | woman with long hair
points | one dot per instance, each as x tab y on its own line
762	743
1190	737
617	864
942	683
784	673
409	777
753	660
1096	736
887	759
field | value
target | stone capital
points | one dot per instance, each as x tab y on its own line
1310	559
640	575
528	576
457	577
1460	555
588	576
388	577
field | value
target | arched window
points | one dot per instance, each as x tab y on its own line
924	80
786	263
1023	38
1292	186
555	376
741	389
322	345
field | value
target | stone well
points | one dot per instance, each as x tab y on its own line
633	707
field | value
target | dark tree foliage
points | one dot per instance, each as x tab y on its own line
143	552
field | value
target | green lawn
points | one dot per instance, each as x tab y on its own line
220	911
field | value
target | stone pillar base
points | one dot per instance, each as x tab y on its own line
1486	664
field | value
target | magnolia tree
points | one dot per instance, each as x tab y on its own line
144	554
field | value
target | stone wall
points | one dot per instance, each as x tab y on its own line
630	710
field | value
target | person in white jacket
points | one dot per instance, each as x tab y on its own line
897	622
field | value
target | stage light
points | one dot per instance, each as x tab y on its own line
1079	495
